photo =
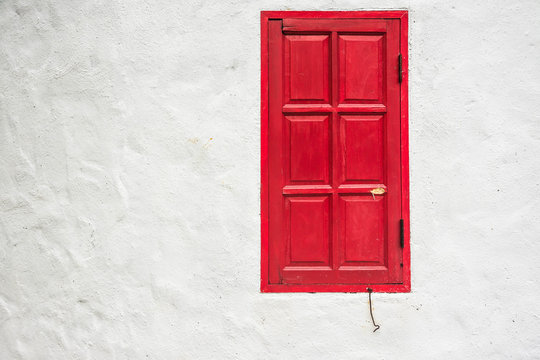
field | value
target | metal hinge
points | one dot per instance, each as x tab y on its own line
401	233
400	71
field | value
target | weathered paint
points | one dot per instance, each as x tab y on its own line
129	197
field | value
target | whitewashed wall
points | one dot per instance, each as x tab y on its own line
129	187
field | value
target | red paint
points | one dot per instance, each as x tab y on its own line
308	78
309	160
334	127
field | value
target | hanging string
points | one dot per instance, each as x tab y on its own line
377	327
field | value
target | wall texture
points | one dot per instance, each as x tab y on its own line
129	187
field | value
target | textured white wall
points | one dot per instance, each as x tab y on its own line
129	187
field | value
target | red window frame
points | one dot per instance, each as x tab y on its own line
402	15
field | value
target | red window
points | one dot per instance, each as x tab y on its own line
334	197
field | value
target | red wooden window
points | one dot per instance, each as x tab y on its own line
334	197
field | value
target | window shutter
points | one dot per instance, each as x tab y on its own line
333	166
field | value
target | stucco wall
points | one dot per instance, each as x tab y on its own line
129	187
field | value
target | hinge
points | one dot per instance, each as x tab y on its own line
401	233
400	70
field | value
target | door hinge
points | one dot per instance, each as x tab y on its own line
401	233
400	70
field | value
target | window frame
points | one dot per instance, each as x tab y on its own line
265	286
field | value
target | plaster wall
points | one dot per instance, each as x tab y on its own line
129	187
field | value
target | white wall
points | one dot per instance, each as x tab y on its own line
129	187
